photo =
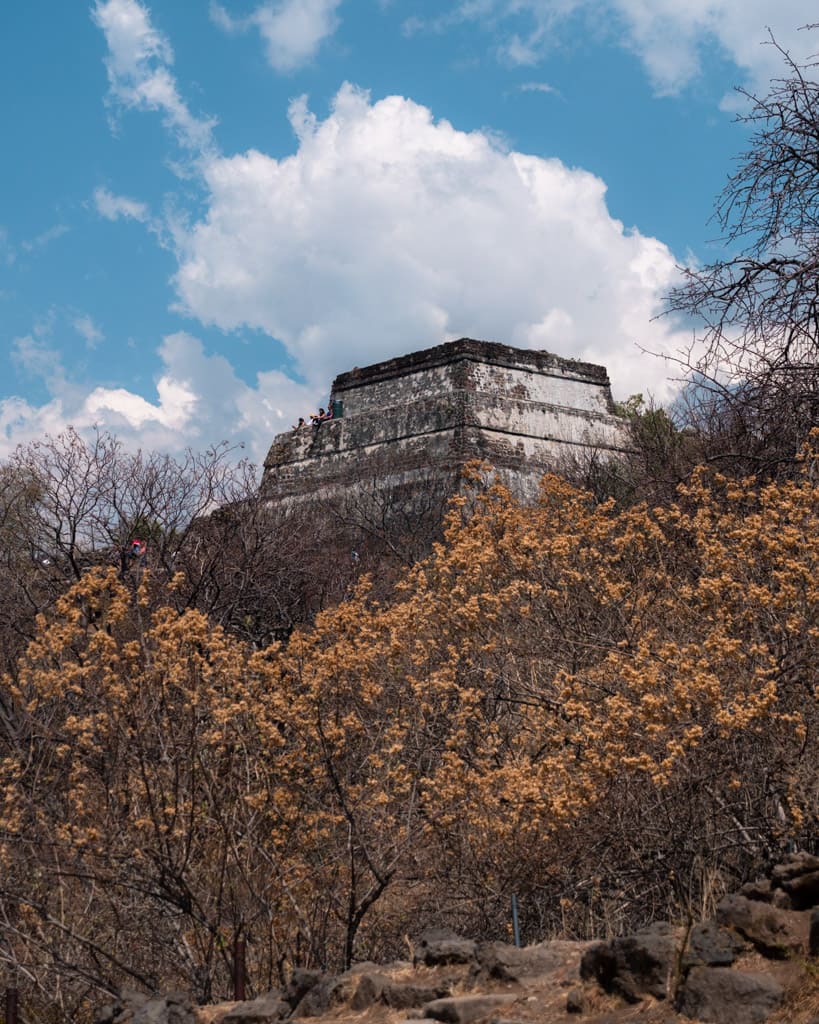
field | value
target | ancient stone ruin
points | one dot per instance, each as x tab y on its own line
400	422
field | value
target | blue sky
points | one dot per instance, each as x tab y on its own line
208	210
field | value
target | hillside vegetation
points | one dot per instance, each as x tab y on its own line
608	710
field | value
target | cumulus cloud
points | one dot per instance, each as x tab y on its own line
671	38
388	231
139	66
114	207
198	401
292	30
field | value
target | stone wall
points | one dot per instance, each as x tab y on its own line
435	410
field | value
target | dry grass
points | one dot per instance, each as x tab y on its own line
542	998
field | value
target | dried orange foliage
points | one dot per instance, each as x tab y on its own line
547	661
594	708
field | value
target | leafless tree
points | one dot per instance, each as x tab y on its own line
68	503
757	369
388	522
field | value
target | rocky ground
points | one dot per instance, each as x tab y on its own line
757	961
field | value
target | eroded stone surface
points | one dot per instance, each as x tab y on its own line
438	946
424	415
724	996
711	946
637	965
140	1008
466	1009
774	931
796	864
503	962
262	1010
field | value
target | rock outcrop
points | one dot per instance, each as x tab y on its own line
756	962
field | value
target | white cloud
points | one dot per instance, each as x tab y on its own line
543	87
293	30
32	354
139	76
114	207
388	232
220	17
7	253
671	38
87	329
45	237
199	401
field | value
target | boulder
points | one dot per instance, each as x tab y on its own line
466	1009
368	991
637	965
122	1009
139	1008
775	932
378	988
813	933
792	867
803	890
577	1000
711	946
400	996
329	991
368	966
762	891
301	981
265	1008
311	993
724	996
502	962
439	946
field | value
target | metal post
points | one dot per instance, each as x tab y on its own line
11	1006
239	968
515	926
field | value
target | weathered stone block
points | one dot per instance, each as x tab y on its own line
796	864
368	991
439	946
774	931
636	965
466	1009
301	981
139	1008
503	962
711	946
400	996
719	995
813	933
262	1010
577	1000
803	890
